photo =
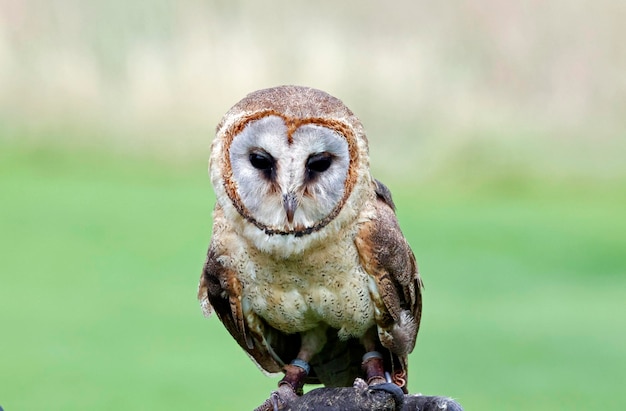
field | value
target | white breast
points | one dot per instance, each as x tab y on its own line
298	294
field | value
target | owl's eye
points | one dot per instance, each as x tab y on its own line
318	163
261	161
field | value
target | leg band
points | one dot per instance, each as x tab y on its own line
369	355
302	364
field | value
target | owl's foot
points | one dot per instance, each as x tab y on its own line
279	399
289	388
366	389
392	389
360	385
375	372
378	379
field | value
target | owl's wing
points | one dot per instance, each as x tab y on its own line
386	256
220	291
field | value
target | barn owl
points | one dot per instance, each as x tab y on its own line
307	267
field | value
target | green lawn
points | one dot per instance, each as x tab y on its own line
524	302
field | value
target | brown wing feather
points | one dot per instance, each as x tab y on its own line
221	291
264	344
387	257
394	254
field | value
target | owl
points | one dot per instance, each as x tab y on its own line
307	267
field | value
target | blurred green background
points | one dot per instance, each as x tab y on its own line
500	127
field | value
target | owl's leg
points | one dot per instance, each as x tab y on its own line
290	387
377	378
372	363
374	368
312	342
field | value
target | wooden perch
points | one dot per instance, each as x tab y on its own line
369	399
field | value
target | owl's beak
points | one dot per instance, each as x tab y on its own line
290	203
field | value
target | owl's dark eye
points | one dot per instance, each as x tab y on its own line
318	163
262	161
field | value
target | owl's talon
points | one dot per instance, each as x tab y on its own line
359	384
392	389
276	401
279	399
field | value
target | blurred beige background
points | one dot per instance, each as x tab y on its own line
535	87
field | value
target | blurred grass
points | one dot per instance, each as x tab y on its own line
101	253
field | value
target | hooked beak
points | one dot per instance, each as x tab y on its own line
290	203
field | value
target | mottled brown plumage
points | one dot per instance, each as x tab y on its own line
307	261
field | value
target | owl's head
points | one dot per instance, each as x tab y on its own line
289	165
